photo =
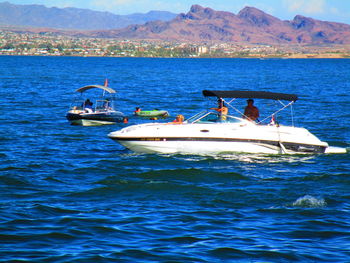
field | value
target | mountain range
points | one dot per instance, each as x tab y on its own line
72	18
202	24
250	25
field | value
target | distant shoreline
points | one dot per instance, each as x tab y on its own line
293	56
23	44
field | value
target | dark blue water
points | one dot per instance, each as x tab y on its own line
70	194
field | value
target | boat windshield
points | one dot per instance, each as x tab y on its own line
77	104
104	105
99	105
212	117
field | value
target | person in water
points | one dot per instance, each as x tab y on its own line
138	109
222	109
251	112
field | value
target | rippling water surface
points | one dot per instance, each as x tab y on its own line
70	194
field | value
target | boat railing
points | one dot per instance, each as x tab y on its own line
197	116
103	105
77	105
211	116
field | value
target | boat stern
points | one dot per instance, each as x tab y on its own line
335	150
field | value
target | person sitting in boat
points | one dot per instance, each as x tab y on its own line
88	105
106	104
179	119
222	109
251	112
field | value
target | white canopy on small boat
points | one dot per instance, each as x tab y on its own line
82	89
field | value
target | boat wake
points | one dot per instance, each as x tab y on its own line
309	201
245	158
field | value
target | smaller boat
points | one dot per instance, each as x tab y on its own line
86	113
151	113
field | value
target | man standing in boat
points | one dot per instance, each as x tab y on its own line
251	112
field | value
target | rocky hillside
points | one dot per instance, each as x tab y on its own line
250	25
200	24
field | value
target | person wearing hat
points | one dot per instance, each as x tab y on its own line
251	112
222	109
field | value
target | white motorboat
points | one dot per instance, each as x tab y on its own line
87	113
208	133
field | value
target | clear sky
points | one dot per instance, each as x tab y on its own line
330	10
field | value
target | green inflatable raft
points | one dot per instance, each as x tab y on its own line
152	113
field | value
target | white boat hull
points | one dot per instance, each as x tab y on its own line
197	147
87	122
241	137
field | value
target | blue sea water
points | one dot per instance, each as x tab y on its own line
70	194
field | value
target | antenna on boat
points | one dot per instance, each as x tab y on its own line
105	85
292	113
